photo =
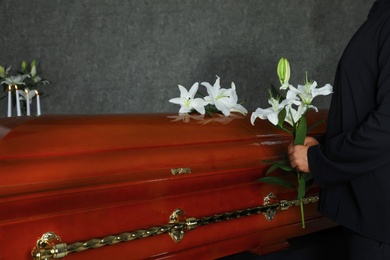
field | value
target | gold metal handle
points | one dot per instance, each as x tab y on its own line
180	171
50	246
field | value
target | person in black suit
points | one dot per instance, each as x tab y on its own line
351	163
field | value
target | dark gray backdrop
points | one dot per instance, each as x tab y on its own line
128	56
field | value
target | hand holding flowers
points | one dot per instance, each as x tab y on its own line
288	114
298	154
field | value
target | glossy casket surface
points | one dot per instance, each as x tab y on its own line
91	176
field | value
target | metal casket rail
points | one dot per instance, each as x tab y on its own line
50	246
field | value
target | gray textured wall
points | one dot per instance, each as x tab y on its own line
128	56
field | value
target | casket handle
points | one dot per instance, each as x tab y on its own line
180	171
50	245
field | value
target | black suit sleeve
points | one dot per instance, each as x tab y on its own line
364	149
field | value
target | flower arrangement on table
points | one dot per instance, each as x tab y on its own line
287	112
31	82
218	100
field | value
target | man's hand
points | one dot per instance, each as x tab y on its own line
297	154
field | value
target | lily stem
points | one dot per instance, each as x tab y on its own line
302	213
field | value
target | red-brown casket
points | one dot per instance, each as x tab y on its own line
143	186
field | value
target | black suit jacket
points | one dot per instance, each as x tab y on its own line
352	164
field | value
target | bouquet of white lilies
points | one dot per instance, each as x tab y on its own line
218	100
27	76
288	114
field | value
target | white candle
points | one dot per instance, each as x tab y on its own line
17	101
9	101
38	103
27	102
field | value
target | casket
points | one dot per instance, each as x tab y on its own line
145	186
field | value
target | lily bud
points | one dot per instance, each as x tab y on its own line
283	71
33	71
2	72
24	66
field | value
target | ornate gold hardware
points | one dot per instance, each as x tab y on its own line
284	204
180	171
50	246
177	232
269	214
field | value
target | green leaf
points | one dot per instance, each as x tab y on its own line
287	168
301	131
277	181
309	128
284	165
272	168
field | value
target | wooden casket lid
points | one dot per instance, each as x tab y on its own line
55	152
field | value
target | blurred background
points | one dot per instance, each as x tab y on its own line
128	56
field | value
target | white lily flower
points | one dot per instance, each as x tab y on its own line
272	112
293	115
309	91
187	100
224	99
14	80
218	96
234	99
240	109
